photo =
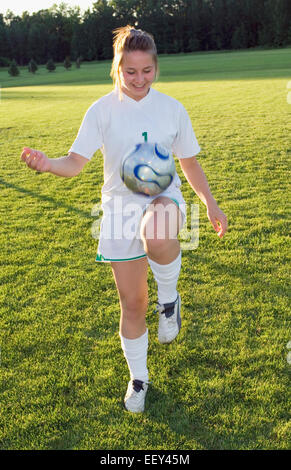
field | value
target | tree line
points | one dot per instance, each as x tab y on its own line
177	26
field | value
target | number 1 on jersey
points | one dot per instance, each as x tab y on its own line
145	135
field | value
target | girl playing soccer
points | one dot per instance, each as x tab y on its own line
132	113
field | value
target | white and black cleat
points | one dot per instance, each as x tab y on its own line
169	320
134	400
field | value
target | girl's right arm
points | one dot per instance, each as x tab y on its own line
68	166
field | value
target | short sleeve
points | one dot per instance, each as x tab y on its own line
185	144
89	138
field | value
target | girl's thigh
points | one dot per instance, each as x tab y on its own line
162	220
131	279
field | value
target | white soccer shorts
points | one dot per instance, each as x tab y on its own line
119	236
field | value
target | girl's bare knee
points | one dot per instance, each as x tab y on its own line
155	245
134	306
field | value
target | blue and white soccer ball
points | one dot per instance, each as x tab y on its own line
148	169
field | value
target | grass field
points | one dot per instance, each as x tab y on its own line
225	382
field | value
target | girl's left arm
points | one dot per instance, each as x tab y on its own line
198	182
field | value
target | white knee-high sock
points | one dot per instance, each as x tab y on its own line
166	276
135	352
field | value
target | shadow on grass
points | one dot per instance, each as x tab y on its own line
165	412
44	198
183	76
209	66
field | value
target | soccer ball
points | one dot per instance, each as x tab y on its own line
148	169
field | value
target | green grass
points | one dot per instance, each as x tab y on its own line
225	382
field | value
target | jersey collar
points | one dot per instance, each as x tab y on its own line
141	102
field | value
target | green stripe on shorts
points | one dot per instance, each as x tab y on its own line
101	258
175	201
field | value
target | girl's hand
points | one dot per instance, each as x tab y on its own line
35	159
217	218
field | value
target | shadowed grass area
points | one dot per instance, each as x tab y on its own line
223	65
224	383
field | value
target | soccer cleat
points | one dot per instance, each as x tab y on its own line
169	320
135	396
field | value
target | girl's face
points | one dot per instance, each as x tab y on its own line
137	73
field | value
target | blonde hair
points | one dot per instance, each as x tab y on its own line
128	39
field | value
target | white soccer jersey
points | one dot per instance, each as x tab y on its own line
116	126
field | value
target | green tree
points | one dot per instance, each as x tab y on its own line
4	45
67	63
32	66
239	39
100	32
177	26
37	41
17	34
79	42
13	69
50	65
